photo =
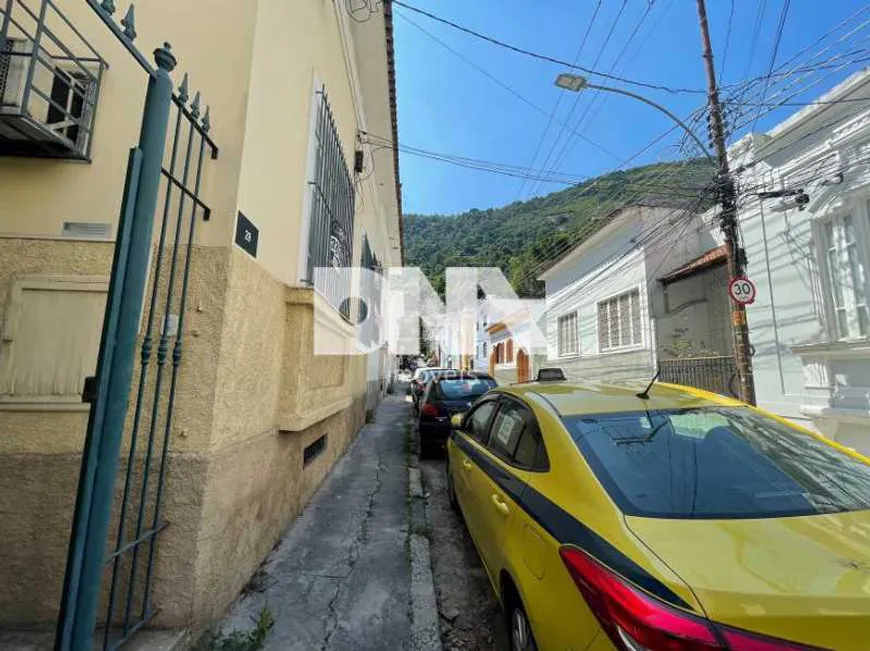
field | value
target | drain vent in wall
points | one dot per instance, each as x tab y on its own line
314	450
99	230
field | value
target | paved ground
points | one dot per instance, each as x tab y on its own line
470	615
341	577
353	572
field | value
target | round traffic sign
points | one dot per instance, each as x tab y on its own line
742	290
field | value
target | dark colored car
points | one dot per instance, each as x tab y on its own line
445	395
422	377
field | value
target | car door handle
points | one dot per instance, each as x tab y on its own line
500	505
466	464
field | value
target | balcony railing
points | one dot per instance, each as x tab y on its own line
49	82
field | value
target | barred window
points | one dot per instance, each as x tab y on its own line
568	335
330	236
619	322
371	294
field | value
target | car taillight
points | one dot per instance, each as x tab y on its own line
428	409
637	622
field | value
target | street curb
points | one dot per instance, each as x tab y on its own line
425	628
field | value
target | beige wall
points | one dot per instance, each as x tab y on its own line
200	36
251	395
298	45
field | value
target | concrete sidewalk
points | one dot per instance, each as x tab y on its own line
341	577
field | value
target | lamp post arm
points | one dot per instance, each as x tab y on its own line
661	109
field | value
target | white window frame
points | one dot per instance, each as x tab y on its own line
561	352
859	212
642	309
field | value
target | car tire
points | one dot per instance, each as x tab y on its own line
451	491
519	629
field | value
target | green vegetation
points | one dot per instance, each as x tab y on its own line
520	238
252	640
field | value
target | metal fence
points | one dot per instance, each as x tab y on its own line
716	374
330	239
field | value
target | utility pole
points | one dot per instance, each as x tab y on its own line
728	217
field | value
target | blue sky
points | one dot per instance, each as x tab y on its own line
446	105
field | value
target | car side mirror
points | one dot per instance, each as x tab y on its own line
456	420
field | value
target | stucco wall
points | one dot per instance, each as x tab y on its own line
199	36
251	395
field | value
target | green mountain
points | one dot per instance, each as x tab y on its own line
525	238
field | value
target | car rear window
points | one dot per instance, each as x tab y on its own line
717	463
456	389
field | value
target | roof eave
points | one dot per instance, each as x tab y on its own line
391	74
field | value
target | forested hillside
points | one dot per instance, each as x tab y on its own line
524	238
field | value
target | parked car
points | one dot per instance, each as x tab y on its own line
421	378
445	395
674	520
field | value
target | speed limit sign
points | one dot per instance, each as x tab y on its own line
742	290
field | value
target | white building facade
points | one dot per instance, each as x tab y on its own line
809	325
608	316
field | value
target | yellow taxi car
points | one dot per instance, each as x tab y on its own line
666	520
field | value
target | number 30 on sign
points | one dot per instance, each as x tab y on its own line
742	290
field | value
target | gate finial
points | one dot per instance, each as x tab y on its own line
164	58
129	23
183	93
108	6
194	106
206	120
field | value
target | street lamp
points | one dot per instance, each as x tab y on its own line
576	83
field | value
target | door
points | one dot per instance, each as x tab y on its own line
498	481
475	430
522	366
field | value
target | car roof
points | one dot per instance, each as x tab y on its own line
422	369
589	397
466	375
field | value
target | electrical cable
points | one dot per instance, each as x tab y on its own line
756	32
567	146
534	188
724	57
774	52
544	57
508	88
558	100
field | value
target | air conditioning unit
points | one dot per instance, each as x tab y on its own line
14	64
66	86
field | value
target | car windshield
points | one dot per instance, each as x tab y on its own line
463	388
717	462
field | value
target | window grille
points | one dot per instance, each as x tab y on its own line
619	322
568	335
330	237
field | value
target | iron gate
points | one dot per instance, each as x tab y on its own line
146	302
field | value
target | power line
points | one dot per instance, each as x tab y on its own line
508	88
774	51
544	57
558	100
727	42
566	147
515	171
756	31
574	104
